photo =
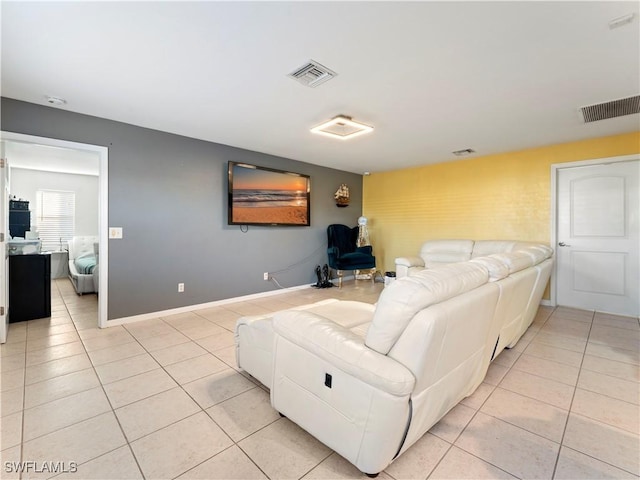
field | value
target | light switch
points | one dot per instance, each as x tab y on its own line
115	232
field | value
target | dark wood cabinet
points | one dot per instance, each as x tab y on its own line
29	287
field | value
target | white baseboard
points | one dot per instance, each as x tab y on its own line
190	308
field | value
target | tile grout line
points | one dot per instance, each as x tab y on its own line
452	444
566	423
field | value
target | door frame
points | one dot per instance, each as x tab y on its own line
103	206
555	172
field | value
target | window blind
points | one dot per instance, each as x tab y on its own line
55	217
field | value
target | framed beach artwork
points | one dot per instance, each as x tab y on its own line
266	196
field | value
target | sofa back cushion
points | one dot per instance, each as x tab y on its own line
405	297
439	252
515	261
483	248
538	253
497	268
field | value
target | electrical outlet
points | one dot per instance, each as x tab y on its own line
115	232
180	287
265	276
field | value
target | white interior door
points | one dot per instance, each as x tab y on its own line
598	263
4	231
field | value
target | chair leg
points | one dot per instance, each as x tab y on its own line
340	274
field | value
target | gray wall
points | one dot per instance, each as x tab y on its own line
168	192
25	183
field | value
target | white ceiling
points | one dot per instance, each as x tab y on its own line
52	159
431	77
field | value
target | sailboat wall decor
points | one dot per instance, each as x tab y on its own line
342	196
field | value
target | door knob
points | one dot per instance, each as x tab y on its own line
562	244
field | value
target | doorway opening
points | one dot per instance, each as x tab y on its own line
75	160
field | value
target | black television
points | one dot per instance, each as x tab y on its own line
266	196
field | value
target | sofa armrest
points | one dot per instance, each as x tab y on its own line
343	349
410	261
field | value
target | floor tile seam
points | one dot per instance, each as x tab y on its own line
217	403
609	396
584	318
52	346
200	410
603	422
612	323
57	358
524	428
608	343
573	396
110	403
246	436
604	425
64	426
58	376
180	361
246	454
537	399
24	393
596	355
457	437
473	455
516	368
108	336
597	459
615	376
63	397
578	338
627	329
206	460
164	389
556	361
551	344
331	452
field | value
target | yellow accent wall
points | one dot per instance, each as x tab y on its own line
505	196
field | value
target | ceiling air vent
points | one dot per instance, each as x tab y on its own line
615	108
312	74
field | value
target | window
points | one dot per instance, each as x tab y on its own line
55	217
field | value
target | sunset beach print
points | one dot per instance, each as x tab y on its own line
264	196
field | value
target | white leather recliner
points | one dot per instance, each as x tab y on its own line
370	397
369	381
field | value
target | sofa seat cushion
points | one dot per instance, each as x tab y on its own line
401	300
355	260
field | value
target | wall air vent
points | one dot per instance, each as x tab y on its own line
312	74
612	109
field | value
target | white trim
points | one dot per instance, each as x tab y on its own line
555	170
200	306
103	214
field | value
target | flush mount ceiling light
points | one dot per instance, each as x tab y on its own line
342	127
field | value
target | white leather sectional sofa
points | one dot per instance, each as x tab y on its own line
369	380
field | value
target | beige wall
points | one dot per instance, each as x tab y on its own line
505	196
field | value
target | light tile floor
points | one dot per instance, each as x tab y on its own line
163	398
